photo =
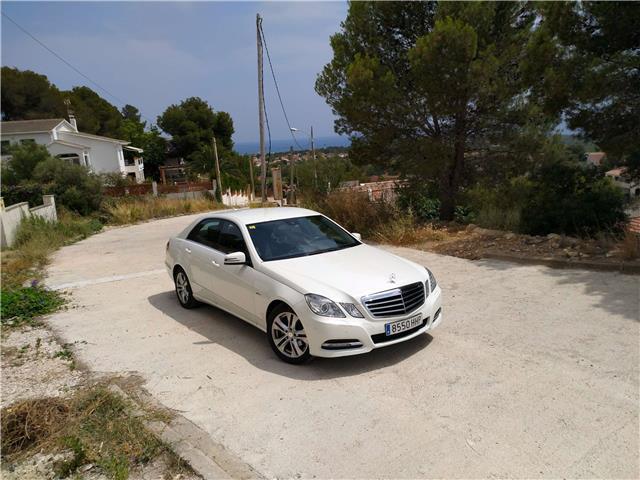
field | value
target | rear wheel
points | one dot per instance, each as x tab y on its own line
287	336
183	289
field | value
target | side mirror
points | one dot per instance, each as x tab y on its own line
357	236
235	258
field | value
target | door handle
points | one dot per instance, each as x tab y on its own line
214	263
188	250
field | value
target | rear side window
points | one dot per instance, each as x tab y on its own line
207	232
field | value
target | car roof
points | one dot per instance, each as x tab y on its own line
248	216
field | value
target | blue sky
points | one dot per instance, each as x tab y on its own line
154	54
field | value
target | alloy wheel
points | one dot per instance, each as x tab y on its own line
182	288
289	336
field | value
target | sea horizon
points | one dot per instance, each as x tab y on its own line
278	146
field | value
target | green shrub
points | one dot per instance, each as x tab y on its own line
572	200
559	197
418	200
32	172
26	191
73	185
23	161
22	305
499	207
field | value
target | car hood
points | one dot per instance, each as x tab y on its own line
354	272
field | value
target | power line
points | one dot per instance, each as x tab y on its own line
266	48
68	64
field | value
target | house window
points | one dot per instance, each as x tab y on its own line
71	158
86	160
27	141
6	145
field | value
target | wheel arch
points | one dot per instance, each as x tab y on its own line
273	305
177	267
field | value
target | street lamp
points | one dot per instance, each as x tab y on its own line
313	152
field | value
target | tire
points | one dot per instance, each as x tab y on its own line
290	344
183	289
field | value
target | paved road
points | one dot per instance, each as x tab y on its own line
533	373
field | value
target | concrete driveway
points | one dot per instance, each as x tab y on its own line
533	373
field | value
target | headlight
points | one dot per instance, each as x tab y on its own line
432	280
323	306
352	310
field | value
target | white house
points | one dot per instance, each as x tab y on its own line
63	140
630	187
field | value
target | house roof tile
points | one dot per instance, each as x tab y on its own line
29	126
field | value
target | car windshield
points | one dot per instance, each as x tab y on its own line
298	237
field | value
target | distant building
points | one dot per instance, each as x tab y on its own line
595	158
63	140
377	191
631	188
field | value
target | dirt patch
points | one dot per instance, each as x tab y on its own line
474	243
35	365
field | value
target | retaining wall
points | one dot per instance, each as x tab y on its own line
12	216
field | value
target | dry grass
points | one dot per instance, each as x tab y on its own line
126	210
404	231
353	211
377	221
631	246
96	425
36	239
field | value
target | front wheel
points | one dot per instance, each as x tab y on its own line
183	290
287	336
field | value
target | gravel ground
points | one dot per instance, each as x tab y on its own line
533	373
34	366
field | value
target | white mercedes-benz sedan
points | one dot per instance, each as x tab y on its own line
313	287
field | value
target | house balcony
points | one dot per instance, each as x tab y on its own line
133	165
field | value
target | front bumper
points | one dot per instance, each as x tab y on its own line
367	332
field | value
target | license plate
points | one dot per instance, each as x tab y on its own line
403	325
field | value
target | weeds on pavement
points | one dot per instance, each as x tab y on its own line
94	426
36	239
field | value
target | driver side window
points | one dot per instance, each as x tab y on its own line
231	239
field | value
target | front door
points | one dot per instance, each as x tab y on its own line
228	286
236	282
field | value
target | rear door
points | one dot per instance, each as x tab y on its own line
202	258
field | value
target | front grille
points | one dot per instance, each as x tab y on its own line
396	302
382	337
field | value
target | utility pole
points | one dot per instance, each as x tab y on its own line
263	173
313	154
215	153
291	163
253	186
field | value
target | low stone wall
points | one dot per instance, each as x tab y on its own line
12	216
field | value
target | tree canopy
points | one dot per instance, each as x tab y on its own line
591	52
27	95
419	85
192	124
